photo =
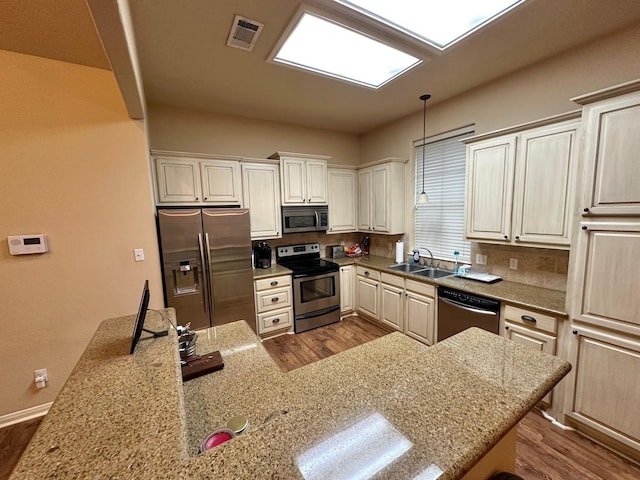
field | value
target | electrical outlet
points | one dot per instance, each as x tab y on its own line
481	259
513	263
138	254
40	377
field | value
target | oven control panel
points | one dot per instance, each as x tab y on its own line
297	250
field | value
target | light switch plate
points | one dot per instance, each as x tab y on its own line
138	254
481	259
513	263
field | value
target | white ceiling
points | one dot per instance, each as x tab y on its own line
184	61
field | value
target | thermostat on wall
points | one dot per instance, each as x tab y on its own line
25	244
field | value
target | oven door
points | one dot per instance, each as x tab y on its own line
315	293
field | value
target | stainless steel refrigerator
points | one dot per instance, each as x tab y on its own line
206	263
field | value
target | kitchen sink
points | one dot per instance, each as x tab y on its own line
406	267
432	273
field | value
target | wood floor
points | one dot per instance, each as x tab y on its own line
543	452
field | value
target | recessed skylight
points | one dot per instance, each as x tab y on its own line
325	47
438	22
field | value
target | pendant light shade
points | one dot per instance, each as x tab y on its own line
423	198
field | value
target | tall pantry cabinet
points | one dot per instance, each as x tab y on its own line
604	301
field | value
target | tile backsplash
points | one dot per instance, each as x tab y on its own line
539	267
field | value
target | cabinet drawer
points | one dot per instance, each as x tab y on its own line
419	287
273	282
268	322
273	299
368	273
395	280
530	318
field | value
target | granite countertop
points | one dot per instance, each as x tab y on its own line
544	299
273	271
440	408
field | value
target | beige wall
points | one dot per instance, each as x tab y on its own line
185	130
536	92
73	166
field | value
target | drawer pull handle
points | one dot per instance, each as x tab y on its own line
274	283
366	272
275	299
528	318
275	320
575	332
506	327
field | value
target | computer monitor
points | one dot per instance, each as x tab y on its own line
138	327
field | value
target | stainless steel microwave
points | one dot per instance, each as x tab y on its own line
305	219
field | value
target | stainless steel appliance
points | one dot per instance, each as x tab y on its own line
305	219
458	311
206	265
334	251
316	286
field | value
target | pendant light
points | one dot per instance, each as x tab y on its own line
423	198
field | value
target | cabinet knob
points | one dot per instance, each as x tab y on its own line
197	198
585	210
584	227
506	327
517	237
575	332
274	283
366	272
309	200
205	198
528	318
275	320
275	299
506	237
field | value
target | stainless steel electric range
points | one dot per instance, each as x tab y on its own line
316	285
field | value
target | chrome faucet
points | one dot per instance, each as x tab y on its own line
430	254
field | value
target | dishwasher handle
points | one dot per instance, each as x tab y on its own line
465	307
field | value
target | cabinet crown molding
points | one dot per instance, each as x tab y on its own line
380	162
279	155
609	92
211	156
572	115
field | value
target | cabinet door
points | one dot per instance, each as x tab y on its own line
364	199
606	390
543	190
261	195
420	317
489	189
346	289
342	200
316	172
178	180
607	276
367	297
221	182
293	181
612	146
532	339
392	306
380	199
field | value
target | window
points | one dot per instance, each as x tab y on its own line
439	225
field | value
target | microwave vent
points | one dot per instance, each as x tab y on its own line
244	33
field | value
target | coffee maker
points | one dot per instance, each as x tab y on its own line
262	255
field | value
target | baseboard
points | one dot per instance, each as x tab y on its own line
24	415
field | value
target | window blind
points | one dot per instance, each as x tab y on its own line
439	225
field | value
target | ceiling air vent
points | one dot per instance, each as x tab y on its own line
244	33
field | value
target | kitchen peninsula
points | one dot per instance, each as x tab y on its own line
434	411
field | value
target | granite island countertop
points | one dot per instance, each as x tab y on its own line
130	416
544	299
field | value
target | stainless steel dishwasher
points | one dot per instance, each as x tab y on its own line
459	310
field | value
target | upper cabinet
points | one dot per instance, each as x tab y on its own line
342	200
191	180
519	187
610	155
261	192
381	197
303	178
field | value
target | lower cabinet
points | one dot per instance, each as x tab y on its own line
392	308
274	306
532	329
420	311
367	292
347	300
604	393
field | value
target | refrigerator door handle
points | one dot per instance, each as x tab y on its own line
209	293
204	265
